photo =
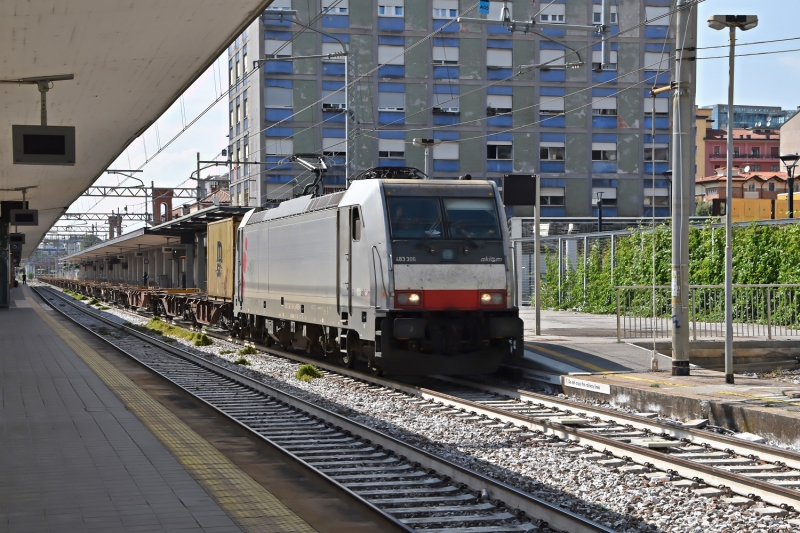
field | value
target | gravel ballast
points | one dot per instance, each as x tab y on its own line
625	502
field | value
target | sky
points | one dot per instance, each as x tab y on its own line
760	80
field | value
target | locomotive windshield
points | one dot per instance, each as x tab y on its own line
434	218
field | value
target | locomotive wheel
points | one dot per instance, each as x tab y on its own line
374	369
349	358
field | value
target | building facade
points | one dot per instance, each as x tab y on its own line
790	136
757	148
586	128
702	119
749	116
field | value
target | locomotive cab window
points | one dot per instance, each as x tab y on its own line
415	217
356	224
433	218
472	218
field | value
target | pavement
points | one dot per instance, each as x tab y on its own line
579	354
579	343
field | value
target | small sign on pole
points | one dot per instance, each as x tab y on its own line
483	7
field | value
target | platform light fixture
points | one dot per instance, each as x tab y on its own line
427	143
790	161
744	23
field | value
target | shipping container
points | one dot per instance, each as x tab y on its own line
221	257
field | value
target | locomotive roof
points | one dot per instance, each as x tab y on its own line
307	204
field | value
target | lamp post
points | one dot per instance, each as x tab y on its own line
427	143
599	211
790	161
667	176
744	23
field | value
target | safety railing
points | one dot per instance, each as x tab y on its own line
759	311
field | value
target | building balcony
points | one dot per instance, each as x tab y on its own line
741	156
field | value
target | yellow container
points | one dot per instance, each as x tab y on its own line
221	257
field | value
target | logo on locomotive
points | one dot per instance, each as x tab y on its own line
488	259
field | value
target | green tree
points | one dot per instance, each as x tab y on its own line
703	209
90	240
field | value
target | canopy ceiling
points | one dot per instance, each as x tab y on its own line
131	60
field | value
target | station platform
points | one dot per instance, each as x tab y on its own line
84	448
579	343
579	353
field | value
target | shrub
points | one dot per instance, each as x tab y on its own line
158	326
225	352
307	373
201	339
248	350
242	361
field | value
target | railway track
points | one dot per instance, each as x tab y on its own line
415	489
711	464
708	463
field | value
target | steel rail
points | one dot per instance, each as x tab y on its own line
551	515
781	496
741	484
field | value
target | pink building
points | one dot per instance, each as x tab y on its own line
757	148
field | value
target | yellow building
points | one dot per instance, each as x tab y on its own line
703	121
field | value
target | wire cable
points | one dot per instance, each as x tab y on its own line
749	44
753	54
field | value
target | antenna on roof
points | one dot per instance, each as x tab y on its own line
747	169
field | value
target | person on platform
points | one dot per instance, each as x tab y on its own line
24	278
144	279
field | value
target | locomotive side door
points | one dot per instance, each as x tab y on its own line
344	265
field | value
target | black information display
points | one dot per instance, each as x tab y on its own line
519	189
44	144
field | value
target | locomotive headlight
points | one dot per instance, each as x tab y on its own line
492	298
448	254
408	299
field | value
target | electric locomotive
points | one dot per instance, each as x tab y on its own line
413	276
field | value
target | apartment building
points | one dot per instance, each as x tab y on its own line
585	127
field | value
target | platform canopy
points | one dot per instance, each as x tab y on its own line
130	60
165	234
140	239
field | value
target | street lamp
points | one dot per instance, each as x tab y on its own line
790	160
599	211
667	176
744	23
427	143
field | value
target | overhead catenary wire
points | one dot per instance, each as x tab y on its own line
654	353
753	54
749	44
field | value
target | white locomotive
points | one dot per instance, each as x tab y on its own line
413	276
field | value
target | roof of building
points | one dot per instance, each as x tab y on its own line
223	197
755	134
160	235
721	176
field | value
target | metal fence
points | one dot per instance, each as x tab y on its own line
765	311
570	241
